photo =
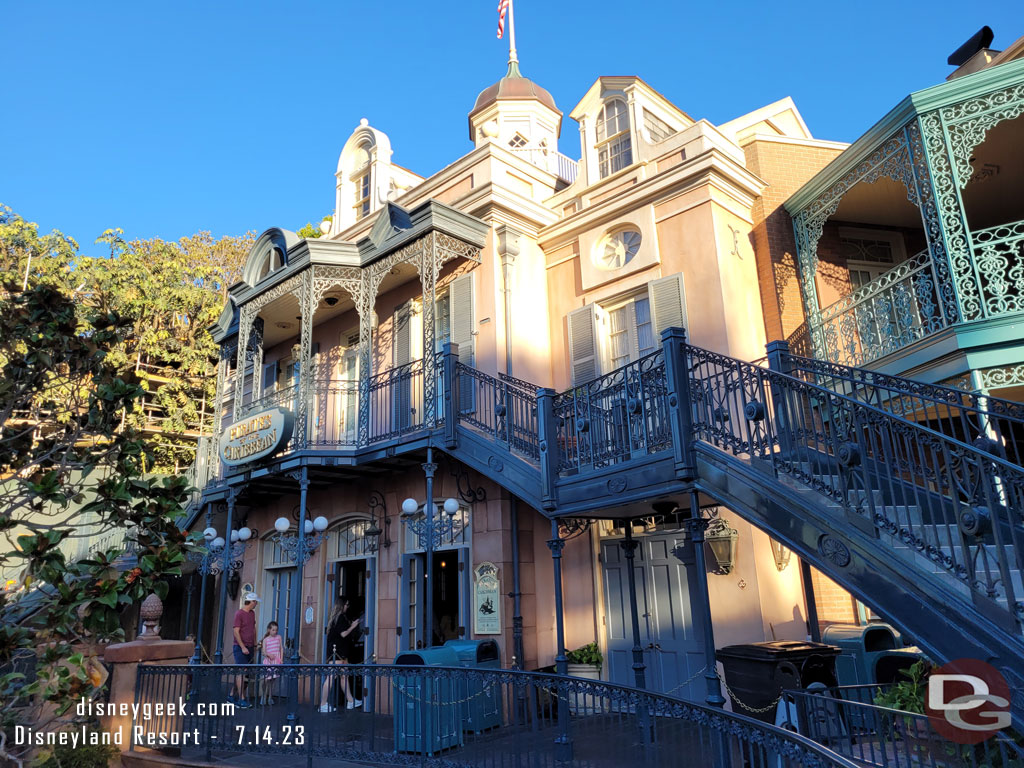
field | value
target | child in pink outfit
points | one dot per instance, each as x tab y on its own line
273	654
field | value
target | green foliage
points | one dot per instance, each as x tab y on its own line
89	756
312	231
907	695
586	654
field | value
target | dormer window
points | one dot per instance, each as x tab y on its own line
362	188
614	146
273	261
517	141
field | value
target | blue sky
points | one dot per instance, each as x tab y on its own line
168	118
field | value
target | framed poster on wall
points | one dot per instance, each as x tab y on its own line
486	600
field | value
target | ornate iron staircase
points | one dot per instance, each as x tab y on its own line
900	492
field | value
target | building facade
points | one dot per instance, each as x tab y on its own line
540	271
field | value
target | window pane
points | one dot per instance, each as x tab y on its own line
644	328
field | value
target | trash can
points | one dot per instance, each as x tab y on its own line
757	673
481	698
870	654
428	718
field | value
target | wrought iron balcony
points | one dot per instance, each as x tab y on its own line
999	259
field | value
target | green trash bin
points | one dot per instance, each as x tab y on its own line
870	654
481	699
428	718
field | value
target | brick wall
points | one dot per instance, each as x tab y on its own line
785	168
835	605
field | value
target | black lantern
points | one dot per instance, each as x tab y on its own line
723	540
234	582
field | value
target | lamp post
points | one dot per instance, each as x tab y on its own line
211	562
431	529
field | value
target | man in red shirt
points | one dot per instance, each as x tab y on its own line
245	643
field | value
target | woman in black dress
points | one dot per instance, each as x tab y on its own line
341	641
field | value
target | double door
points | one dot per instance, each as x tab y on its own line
670	630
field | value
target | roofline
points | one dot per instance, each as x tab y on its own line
917	103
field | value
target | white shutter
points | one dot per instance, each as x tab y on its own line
463	320
668	304
585	342
402	335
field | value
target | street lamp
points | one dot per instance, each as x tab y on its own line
296	546
210	562
431	530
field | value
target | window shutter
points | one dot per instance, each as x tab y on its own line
668	303
584	343
402	335
462	309
269	377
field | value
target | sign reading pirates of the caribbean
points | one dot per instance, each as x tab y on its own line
256	436
486	600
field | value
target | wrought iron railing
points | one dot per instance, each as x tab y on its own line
334	413
500	408
846	720
938	503
396	401
444	716
999	259
989	423
892	311
616	417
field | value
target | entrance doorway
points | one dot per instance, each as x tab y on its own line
448	592
349	580
279	606
670	635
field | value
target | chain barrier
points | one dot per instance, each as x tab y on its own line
736	699
487	690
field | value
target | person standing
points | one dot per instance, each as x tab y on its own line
341	642
244	631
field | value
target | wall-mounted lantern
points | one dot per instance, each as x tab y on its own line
781	553
723	542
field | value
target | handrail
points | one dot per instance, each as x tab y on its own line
499	408
930	495
991	424
472	717
846	719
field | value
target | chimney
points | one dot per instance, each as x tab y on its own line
974	55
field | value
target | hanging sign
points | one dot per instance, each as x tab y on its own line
256	436
486	600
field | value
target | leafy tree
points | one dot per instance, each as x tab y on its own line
27	256
312	231
66	453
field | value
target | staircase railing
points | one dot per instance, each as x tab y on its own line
933	499
614	418
502	408
988	423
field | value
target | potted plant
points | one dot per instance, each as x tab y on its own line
585	661
909	696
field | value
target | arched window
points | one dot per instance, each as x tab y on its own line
614	147
361	181
273	260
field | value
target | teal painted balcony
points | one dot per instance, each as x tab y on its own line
910	245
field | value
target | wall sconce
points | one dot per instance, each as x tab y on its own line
781	553
723	540
375	537
234	582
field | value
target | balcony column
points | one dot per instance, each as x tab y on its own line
807	233
629	545
365	306
429	266
225	572
256	355
305	351
563	742
245	321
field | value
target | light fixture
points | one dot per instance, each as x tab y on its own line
310	542
374	536
781	553
234	581
330	300
723	542
281	524
410	507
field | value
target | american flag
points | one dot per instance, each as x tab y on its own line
502	10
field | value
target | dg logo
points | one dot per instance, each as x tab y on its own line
968	701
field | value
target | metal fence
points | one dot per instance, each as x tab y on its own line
448	716
847	721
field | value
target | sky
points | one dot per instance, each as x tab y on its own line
165	118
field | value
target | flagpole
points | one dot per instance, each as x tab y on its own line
512	57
